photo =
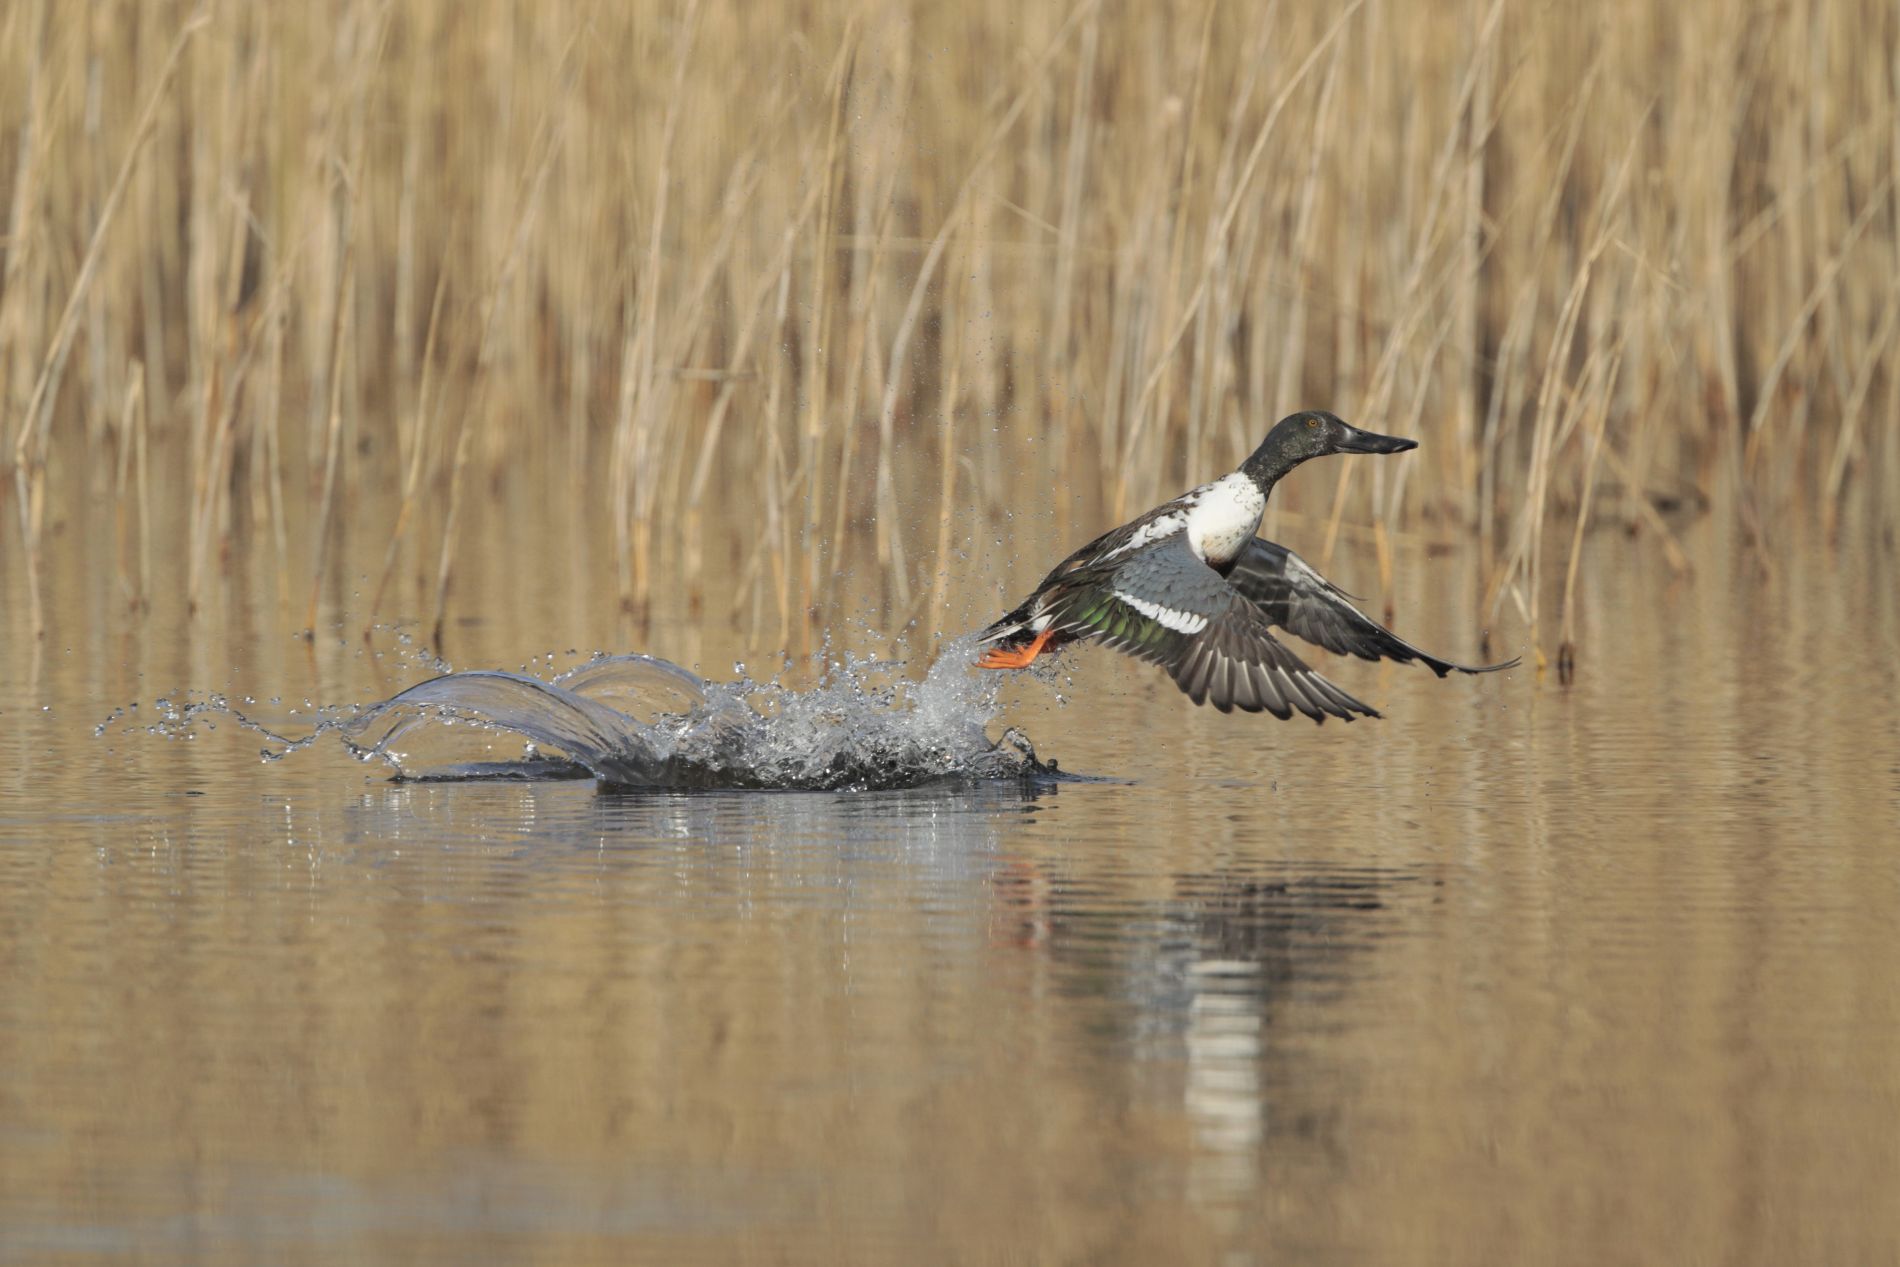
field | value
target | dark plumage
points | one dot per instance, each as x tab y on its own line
1189	587
1294	597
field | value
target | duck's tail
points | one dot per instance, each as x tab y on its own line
1010	626
1012	641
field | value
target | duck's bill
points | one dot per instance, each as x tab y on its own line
1369	442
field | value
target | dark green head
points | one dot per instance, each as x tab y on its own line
1313	434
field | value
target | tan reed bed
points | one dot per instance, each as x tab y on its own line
875	273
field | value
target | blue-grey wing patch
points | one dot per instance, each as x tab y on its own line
1290	594
1162	604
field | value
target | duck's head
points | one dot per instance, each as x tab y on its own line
1314	433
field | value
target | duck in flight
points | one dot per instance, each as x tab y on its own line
1189	587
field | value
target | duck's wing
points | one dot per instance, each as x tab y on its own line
1290	594
1162	604
1103	552
1168	518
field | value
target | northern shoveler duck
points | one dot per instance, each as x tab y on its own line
1189	587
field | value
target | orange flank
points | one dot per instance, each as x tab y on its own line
998	658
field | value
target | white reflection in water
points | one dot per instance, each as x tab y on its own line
1223	1097
1212	991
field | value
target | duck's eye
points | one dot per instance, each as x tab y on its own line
1312	422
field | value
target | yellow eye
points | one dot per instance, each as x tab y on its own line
1312	422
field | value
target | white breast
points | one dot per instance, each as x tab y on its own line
1222	515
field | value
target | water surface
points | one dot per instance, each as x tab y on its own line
1521	973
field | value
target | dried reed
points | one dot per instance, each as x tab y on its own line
1602	261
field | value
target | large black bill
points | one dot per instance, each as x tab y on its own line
1366	442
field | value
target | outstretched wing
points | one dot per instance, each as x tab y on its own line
1290	594
1162	604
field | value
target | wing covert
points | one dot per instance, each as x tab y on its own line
1164	605
1288	593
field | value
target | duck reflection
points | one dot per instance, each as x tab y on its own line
1207	993
1197	985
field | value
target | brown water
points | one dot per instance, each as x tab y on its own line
1519	974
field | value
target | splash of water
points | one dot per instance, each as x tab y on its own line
639	722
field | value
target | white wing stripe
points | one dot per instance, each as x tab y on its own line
1182	622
